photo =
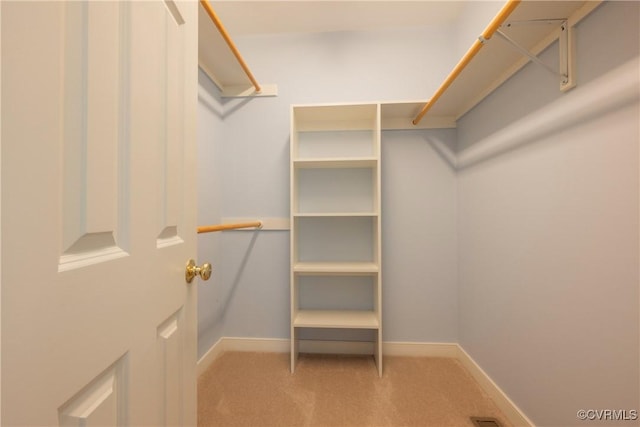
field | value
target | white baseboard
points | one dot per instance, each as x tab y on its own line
210	356
415	349
420	349
224	344
335	347
262	345
510	410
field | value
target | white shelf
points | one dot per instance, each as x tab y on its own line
398	115
493	65
334	163
335	117
355	319
335	268
497	61
334	214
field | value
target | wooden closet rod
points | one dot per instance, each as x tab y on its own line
475	48
230	43
230	226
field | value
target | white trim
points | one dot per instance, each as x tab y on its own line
210	356
413	349
0	222
420	349
336	347
499	397
267	345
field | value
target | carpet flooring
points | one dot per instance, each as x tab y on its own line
257	390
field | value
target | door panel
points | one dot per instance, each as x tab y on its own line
104	402
170	349
171	161
93	103
98	213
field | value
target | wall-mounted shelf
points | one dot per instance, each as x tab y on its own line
534	25
398	115
217	59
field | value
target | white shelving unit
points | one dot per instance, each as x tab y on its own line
335	221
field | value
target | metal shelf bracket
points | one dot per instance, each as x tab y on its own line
566	49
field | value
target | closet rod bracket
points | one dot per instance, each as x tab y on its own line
567	45
566	50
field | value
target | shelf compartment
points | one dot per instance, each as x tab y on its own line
336	268
336	292
335	143
355	319
322	190
335	239
335	117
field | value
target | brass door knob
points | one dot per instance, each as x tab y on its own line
193	270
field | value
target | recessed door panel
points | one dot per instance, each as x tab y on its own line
170	356
171	141
103	402
94	141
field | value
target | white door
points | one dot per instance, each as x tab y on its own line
98	213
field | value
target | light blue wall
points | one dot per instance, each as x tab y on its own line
548	238
419	238
249	293
528	259
210	125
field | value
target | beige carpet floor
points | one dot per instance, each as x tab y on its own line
257	390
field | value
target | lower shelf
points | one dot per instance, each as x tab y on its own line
356	319
335	268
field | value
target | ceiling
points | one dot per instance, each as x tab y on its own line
308	16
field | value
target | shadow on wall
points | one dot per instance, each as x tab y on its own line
237	278
221	107
610	92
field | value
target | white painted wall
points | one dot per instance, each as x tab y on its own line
548	238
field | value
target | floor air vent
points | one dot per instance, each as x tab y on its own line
485	422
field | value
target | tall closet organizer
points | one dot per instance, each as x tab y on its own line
335	221
335	168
